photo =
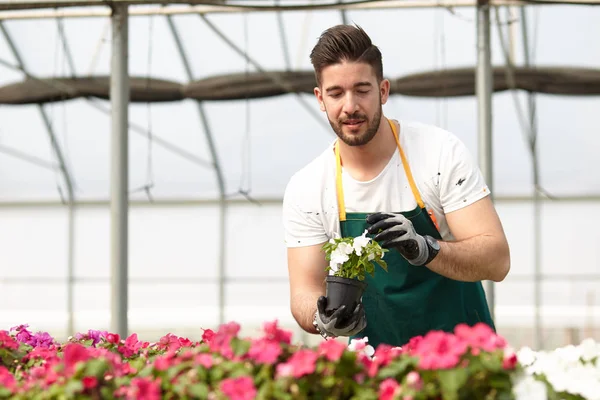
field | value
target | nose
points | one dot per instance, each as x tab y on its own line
350	104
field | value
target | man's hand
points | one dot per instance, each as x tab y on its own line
336	325
398	232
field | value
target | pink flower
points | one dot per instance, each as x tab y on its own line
413	379
439	350
207	335
480	336
241	388
412	344
92	334
7	341
132	346
165	361
75	353
332	349
509	360
7	379
383	355
204	359
144	389
303	362
388	389
113	338
273	332
169	342
89	382
221	341
264	351
284	370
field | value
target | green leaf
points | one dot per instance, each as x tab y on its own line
451	381
240	346
396	368
95	367
72	387
199	390
365	394
491	362
216	374
4	392
329	381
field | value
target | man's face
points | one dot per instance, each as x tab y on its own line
352	98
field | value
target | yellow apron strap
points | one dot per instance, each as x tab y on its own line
338	183
407	170
338	176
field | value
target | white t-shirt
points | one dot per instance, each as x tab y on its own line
443	169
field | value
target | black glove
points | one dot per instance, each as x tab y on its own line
396	231
336	324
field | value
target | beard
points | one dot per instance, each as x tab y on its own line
355	137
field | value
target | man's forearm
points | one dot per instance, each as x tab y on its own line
304	306
475	259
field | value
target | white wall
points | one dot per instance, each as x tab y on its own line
173	267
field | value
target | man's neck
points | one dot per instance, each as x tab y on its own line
364	163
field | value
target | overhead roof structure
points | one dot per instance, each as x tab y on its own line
194	81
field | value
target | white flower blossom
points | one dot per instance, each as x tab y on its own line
526	356
528	388
334	266
340	254
590	349
570	369
360	242
362	345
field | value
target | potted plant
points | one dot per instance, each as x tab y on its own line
350	259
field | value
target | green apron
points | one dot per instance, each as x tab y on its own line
408	301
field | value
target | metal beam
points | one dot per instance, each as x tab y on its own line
119	171
218	172
28	158
67	8
182	202
483	88
48	125
284	42
96	103
256	65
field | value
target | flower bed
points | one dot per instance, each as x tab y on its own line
471	363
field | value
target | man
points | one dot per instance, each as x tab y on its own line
414	186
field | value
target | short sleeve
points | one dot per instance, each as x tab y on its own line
302	222
461	180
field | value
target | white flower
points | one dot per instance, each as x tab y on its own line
589	349
360	242
567	369
340	254
362	345
526	356
528	388
334	266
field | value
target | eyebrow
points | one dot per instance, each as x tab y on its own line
358	84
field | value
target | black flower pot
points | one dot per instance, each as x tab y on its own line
343	291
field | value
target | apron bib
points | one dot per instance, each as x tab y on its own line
408	301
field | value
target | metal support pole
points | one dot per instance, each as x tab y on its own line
119	96
483	90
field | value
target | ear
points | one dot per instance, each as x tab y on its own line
319	97
384	90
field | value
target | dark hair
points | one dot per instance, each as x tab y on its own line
345	43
